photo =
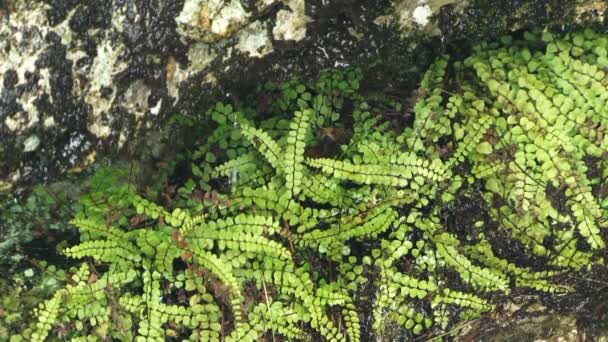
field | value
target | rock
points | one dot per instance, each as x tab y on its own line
97	74
409	16
541	327
214	20
91	78
211	20
462	19
291	23
254	41
31	144
421	15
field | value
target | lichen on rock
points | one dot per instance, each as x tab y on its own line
291	23
101	91
211	20
215	20
21	43
471	20
409	15
86	76
254	41
95	74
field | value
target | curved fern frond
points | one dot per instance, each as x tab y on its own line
397	175
364	225
266	146
294	151
490	279
106	251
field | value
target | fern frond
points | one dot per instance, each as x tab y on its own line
106	251
243	164
269	148
264	317
294	152
322	189
98	227
246	243
254	224
224	272
391	175
363	225
449	296
478	276
525	277
148	208
47	313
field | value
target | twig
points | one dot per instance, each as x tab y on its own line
268	306
453	330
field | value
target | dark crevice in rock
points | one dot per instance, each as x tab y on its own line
71	138
8	106
97	14
59	9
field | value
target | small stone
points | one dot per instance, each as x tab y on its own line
211	20
291	24
422	14
31	143
29	273
49	122
254	41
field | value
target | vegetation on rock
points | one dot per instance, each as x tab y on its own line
310	223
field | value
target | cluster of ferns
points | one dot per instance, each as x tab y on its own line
323	212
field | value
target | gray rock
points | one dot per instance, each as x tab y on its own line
31	144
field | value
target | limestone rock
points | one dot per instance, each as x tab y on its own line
291	23
469	20
211	20
214	20
85	76
90	78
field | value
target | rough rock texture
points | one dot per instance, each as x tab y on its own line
483	19
80	79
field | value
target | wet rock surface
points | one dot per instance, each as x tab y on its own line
83	79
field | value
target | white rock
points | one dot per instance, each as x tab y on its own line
254	41
210	20
136	98
422	14
103	65
156	109
31	143
49	122
291	24
286	27
99	130
13	124
200	55
190	12
230	16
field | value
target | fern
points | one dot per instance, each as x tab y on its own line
294	154
278	236
266	145
401	174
